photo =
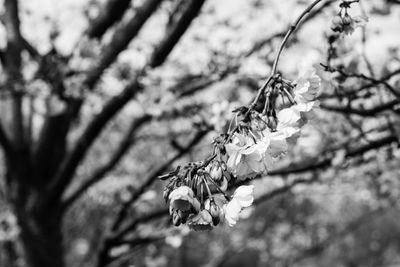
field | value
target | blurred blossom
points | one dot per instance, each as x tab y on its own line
9	229
81	246
306	90
242	198
174	241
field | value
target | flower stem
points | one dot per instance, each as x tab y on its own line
292	29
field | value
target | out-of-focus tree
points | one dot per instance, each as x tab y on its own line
73	111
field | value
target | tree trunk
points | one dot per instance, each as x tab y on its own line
42	240
40	223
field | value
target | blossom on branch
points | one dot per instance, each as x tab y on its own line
242	198
245	156
306	91
182	198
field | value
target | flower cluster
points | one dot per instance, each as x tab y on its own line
199	193
344	23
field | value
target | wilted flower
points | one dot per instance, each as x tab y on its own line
201	221
245	156
182	198
242	198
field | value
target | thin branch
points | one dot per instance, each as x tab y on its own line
152	178
103	257
283	189
318	164
260	44
347	74
99	174
292	28
175	32
120	40
362	112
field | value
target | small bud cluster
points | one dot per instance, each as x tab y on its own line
198	193
344	23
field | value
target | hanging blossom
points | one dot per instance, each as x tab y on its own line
306	91
245	156
346	24
242	198
198	193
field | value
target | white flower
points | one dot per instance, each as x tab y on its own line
201	221
245	156
288	121
242	198
244	195
306	90
232	211
182	198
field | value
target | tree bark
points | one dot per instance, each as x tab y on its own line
42	240
40	223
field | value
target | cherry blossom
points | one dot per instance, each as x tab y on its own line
182	198
245	156
242	198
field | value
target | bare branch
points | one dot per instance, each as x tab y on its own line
175	32
111	13
120	40
67	169
318	164
12	67
5	142
362	112
123	147
75	156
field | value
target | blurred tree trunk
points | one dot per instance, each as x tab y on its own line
40	224
40	169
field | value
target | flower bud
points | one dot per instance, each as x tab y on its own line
214	211
337	24
258	124
272	123
337	20
216	171
347	20
167	190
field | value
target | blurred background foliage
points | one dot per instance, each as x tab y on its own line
343	212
